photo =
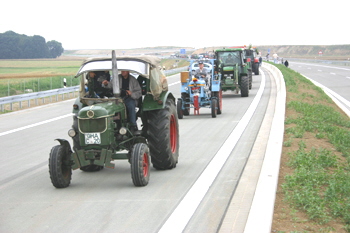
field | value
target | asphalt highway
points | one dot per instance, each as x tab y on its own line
196	196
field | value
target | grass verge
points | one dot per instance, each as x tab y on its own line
315	180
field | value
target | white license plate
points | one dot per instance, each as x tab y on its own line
92	138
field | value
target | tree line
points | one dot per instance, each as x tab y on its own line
17	46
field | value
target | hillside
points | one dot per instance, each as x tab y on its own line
331	52
341	52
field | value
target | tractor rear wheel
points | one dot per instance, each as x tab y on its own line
218	95
250	75
180	113
185	97
163	136
256	69
140	164
59	167
244	86
214	102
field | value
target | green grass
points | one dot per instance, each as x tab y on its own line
320	182
17	86
18	76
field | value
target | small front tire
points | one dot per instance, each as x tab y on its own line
59	166
140	164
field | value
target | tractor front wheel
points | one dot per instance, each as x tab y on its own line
140	164
59	166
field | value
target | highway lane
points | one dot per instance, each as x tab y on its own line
107	201
336	78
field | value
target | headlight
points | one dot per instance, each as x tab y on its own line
71	133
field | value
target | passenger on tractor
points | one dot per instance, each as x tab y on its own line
202	72
99	80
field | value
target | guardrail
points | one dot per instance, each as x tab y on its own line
37	95
54	93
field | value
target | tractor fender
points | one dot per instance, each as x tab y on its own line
150	104
65	144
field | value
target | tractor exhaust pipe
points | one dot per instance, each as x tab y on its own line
115	80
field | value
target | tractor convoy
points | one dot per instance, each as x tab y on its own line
103	133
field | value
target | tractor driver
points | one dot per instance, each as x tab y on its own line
130	91
201	72
229	59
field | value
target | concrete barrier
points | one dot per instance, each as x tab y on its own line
261	212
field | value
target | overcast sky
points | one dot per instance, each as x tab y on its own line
124	24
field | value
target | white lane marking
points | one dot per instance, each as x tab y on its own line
333	73
188	205
35	124
173	83
338	68
339	100
319	70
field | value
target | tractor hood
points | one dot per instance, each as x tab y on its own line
100	110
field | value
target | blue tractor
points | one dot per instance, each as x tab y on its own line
198	93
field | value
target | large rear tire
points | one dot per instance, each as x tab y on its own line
256	69
180	113
244	86
214	102
163	136
185	97
218	95
59	166
140	164
250	76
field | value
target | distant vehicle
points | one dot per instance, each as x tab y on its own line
197	92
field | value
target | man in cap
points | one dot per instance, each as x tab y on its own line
202	72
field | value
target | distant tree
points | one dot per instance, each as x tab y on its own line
9	45
14	46
55	48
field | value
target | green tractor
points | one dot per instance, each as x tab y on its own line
101	132
235	70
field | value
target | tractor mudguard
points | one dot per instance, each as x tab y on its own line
150	104
65	144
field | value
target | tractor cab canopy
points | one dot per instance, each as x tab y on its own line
147	67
